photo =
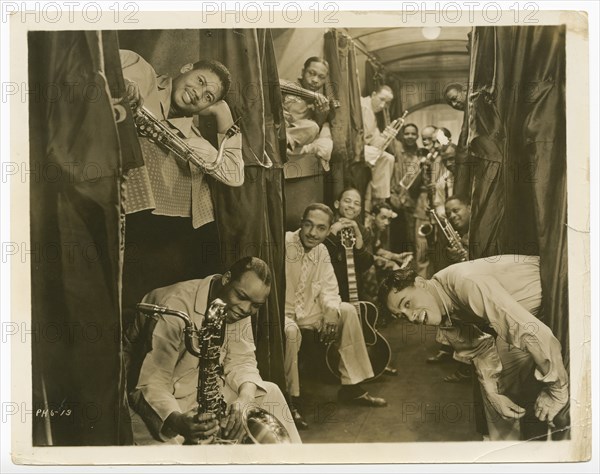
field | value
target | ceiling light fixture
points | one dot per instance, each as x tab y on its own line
431	32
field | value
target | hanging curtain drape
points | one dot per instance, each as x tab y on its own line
348	167
76	228
517	128
251	218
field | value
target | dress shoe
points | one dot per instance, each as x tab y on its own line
439	358
299	420
390	371
369	401
459	376
364	399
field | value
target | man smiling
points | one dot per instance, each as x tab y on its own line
488	310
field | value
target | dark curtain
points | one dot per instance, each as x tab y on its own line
251	218
348	167
76	232
517	128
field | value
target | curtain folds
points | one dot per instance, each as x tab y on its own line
250	219
517	129
348	167
76	293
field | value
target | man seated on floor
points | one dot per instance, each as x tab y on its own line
307	129
377	223
488	310
312	301
163	375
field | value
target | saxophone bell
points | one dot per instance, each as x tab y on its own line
425	230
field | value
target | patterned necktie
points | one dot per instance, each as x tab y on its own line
301	287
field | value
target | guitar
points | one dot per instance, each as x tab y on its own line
377	347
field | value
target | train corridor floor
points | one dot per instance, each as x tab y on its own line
421	406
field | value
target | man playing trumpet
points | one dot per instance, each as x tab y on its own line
380	161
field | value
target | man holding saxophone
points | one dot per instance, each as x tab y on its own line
170	185
163	376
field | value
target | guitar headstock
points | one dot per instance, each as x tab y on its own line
347	237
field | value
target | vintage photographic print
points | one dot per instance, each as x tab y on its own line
351	236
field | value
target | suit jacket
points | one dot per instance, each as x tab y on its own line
168	374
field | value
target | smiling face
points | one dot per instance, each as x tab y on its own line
349	205
244	296
194	90
314	76
456	99
416	304
410	136
314	229
459	215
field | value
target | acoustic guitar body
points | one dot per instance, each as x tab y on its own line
378	348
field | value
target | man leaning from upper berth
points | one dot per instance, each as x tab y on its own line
307	128
163	376
488	309
170	185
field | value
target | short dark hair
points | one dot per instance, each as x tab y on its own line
315	59
396	280
345	190
458	197
220	70
400	133
251	264
379	206
382	87
318	206
453	86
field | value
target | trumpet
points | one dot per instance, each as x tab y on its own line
449	232
412	174
390	132
150	127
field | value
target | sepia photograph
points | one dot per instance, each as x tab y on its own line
352	231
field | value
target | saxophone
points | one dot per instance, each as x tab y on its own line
205	343
148	126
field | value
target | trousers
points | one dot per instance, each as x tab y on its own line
382	169
354	366
271	400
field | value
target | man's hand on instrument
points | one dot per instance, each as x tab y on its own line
455	255
231	424
133	95
322	104
195	428
505	407
400	258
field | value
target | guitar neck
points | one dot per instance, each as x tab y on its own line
352	285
